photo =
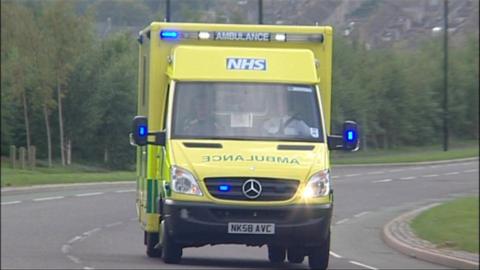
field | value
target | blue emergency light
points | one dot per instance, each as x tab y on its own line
351	135
169	34
224	188
142	131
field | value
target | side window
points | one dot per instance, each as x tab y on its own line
165	108
144	79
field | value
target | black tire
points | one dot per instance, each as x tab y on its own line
276	254
318	256
151	240
172	252
295	255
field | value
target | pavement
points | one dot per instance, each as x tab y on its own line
399	235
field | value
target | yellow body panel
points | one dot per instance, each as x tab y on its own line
249	159
284	65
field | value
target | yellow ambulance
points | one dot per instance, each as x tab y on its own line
233	139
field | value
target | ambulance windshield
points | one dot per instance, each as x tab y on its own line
246	111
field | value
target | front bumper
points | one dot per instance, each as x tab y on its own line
198	224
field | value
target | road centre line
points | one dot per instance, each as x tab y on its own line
335	254
361	214
351	175
74	259
408	178
469	171
376	172
430	175
125	190
451	173
396	170
363	265
88	194
66	249
76	238
12	202
113	224
342	221
88	268
382	181
48	198
87	233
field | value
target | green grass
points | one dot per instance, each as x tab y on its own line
60	175
452	225
408	154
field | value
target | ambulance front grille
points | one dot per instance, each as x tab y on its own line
230	188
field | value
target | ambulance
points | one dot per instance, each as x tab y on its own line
233	139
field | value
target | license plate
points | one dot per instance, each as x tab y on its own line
251	228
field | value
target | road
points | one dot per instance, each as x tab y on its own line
85	227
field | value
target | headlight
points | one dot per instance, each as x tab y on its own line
184	182
318	185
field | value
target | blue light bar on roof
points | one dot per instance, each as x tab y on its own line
169	34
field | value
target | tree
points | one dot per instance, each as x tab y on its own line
67	34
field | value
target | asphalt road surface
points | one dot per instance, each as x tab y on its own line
86	227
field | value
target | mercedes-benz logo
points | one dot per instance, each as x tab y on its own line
252	188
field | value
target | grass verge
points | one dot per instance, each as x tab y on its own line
452	225
60	175
408	154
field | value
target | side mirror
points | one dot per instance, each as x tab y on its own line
349	141
139	134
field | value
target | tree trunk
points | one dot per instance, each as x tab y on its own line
49	137
105	155
25	114
60	123
69	152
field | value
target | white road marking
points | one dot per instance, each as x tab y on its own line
91	231
335	176
376	172
342	221
76	238
351	175
88	194
335	254
361	214
113	224
430	175
74	259
363	265
408	178
125	190
417	168
434	166
382	181
396	170
88	268
66	248
469	171
12	202
452	173
48	198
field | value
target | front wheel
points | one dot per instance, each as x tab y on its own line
172	252
276	254
318	256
